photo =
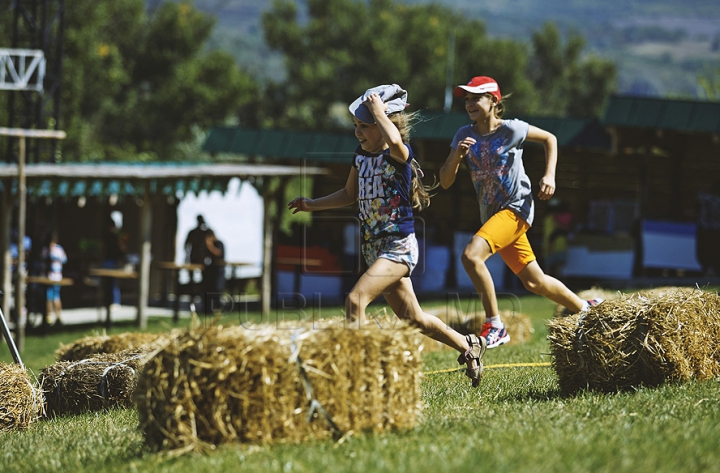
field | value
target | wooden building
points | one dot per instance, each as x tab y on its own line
644	160
76	200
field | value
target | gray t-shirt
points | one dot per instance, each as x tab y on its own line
497	171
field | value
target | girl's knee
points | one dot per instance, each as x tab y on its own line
352	302
534	285
470	258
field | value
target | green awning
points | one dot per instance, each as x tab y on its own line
662	114
281	144
69	180
339	147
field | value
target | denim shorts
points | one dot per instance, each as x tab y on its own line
53	292
400	250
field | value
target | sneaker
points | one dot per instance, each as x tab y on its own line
473	358
591	303
495	336
485	329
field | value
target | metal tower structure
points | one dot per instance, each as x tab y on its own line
38	25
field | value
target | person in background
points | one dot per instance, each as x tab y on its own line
14	252
492	149
55	256
214	271
195	245
114	252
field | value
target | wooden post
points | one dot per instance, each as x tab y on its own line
22	134
20	288
7	207
270	228
267	273
145	255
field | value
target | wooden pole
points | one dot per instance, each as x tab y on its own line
22	211
145	255
267	274
22	134
7	207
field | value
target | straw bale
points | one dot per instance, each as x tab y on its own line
662	291
517	324
95	383
589	294
637	341
21	401
98	344
231	384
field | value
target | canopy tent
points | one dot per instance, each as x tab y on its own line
141	181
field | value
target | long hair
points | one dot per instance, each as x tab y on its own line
420	194
499	106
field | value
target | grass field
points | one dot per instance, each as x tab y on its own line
516	421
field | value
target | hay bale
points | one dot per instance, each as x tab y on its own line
517	324
21	402
662	291
589	294
231	384
98	344
95	383
638	341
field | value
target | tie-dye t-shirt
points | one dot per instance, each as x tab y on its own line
497	171
384	194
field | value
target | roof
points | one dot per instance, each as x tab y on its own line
662	114
328	147
281	144
125	179
576	132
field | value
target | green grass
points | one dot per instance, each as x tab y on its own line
517	421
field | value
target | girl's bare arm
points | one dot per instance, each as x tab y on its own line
449	170
346	196
549	142
388	130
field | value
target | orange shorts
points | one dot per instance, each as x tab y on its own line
505	232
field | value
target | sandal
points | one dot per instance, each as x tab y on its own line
473	358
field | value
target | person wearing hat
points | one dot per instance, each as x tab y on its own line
385	180
492	149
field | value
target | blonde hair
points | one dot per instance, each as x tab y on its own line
419	194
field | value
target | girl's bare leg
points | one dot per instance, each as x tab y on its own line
373	283
404	303
389	278
537	282
473	260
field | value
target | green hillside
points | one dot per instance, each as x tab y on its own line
661	46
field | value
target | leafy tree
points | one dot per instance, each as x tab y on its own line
138	84
347	46
564	82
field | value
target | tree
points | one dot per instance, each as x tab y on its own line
566	84
347	46
138	85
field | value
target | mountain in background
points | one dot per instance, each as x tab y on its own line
661	47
